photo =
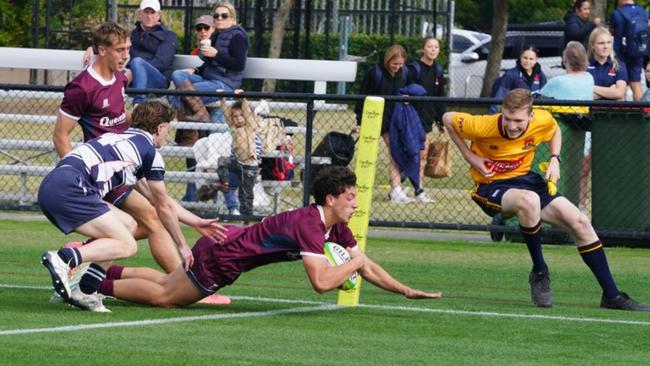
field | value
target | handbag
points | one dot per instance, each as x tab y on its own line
438	160
280	168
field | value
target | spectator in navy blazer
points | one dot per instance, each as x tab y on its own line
153	47
527	74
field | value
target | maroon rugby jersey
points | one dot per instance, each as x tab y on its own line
284	237
96	104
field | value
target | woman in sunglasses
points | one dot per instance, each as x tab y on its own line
223	64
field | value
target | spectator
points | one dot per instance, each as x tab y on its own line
527	74
646	94
246	151
152	51
577	84
223	63
577	25
428	73
610	82
627	9
204	29
610	74
385	79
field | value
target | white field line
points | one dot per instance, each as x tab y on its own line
183	319
325	305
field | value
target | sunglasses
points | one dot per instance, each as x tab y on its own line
202	27
218	16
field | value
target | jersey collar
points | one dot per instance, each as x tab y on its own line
321	212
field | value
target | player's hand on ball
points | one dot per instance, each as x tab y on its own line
419	294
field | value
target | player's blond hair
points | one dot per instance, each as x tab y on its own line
149	114
517	99
109	33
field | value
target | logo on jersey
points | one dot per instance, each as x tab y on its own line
529	144
493	147
504	166
108	122
105	103
460	123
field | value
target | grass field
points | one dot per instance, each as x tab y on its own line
276	319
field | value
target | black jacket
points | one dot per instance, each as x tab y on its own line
576	29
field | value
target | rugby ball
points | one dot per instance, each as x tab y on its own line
337	255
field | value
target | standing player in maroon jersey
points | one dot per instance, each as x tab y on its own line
95	100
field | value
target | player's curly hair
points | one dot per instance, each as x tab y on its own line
149	114
332	180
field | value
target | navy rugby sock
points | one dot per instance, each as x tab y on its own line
533	239
71	256
594	256
91	280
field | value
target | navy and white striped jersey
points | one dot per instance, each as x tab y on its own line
117	159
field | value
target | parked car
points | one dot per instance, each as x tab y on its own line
467	67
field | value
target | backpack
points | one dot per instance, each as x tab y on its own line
417	69
635	41
337	146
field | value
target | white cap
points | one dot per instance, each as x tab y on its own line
153	4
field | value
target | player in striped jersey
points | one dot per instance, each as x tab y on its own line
71	197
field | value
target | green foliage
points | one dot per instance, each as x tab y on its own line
73	22
15	23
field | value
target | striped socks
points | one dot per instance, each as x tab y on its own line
91	280
594	256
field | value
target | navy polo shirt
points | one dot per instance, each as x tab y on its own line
604	74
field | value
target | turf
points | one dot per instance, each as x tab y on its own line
276	319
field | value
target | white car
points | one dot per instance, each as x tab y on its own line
467	67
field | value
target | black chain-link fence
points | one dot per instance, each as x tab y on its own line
603	171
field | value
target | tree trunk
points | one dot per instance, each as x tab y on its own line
279	25
598	9
499	25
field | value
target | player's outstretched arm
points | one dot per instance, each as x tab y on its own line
324	277
206	227
166	211
375	274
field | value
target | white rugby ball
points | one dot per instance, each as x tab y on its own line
337	255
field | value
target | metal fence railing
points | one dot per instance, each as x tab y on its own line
613	192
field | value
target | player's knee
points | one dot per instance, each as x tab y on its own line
148	217
131	225
582	224
129	247
529	202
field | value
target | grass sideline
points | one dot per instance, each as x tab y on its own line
276	319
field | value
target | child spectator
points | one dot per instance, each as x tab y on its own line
246	150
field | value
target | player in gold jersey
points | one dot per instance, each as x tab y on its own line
500	155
